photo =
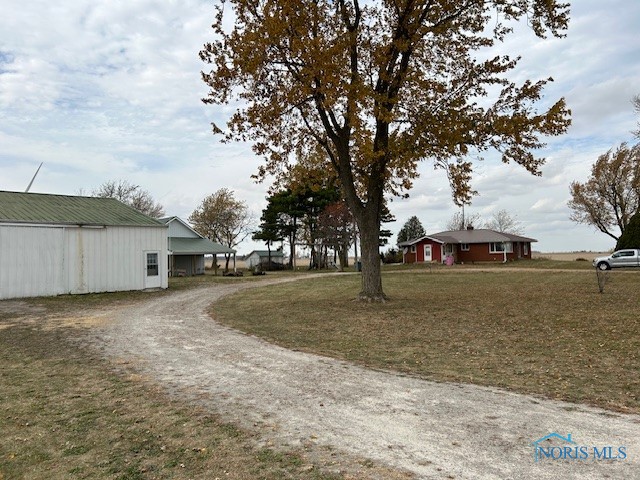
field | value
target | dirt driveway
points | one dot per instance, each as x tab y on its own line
434	430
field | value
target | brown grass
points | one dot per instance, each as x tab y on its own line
536	331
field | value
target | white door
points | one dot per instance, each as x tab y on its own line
427	253
152	278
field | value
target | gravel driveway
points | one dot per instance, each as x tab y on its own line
434	430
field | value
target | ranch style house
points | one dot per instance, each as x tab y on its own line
467	246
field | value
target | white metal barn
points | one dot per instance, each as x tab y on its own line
57	244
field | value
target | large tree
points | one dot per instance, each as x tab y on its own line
224	219
269	229
379	86
411	230
460	221
611	194
130	194
505	222
283	218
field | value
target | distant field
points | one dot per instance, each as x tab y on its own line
568	256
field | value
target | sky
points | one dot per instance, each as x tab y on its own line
111	89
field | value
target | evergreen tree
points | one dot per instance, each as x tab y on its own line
411	229
630	238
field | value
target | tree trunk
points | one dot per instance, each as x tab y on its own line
269	256
370	257
292	250
343	253
227	256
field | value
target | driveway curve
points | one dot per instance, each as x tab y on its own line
433	430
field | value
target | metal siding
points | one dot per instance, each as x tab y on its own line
114	257
176	229
53	260
31	261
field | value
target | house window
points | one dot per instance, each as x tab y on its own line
413	249
500	247
464	247
152	264
526	249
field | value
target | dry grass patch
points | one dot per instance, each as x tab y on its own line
539	332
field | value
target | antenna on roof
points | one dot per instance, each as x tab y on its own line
34	177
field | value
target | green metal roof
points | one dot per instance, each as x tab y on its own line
16	207
196	246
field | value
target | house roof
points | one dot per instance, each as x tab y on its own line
265	253
476	235
408	243
191	245
168	220
196	246
38	208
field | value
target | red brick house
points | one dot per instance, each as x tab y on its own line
467	246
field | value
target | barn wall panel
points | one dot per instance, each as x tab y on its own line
112	259
53	260
31	261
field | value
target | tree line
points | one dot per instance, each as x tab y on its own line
307	209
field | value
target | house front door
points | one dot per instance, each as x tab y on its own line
427	253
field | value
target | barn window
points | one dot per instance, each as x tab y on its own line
413	249
152	264
499	247
464	247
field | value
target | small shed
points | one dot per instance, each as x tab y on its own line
58	244
261	258
187	249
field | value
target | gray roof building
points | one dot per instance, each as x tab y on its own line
469	236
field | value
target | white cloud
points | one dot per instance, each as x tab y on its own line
102	90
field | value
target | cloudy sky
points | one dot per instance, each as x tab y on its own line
106	90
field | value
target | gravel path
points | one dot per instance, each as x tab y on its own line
434	430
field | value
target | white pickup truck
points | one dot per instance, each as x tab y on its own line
629	257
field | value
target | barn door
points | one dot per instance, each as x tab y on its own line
152	277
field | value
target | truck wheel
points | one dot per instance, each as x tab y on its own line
604	266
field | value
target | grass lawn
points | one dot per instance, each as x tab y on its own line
537	331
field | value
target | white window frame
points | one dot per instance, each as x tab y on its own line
464	247
413	249
501	247
153	267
